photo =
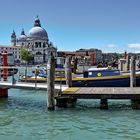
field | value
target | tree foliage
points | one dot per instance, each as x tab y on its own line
26	56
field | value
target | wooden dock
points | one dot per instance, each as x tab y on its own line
102	93
69	96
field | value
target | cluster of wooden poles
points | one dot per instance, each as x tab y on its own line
68	74
51	78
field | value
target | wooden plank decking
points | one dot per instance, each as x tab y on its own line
102	93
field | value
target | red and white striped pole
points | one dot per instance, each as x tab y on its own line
4	64
4	90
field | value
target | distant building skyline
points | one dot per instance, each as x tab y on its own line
109	25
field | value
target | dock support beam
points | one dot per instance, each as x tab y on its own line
50	82
103	104
132	74
3	92
63	102
68	72
135	104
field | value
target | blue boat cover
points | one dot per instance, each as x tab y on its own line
104	72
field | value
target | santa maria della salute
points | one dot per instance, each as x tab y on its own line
36	42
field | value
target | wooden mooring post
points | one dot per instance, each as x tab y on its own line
75	65
134	102
68	72
36	73
121	65
103	104
50	82
127	63
133	72
67	102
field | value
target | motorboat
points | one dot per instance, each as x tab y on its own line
94	77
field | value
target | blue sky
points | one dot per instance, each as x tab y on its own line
109	25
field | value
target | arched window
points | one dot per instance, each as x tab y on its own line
38	53
40	44
36	44
44	45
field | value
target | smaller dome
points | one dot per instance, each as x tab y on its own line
22	36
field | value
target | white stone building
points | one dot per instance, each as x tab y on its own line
36	42
12	54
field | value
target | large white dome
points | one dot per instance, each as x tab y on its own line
37	31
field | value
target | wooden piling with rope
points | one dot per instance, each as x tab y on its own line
68	72
133	72
50	82
127	63
134	102
67	102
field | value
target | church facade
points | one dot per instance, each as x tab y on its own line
36	42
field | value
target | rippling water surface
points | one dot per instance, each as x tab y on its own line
24	116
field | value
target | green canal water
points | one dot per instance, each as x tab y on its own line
24	116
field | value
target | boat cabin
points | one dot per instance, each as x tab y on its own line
98	72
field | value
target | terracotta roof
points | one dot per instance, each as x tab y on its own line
66	52
3	46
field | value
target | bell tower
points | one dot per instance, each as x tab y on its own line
13	38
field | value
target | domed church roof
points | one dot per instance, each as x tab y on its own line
22	36
37	30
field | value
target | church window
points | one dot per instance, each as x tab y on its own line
36	44
40	44
44	45
38	53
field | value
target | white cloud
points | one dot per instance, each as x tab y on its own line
137	51
135	45
111	46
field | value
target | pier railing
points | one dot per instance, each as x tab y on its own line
25	74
